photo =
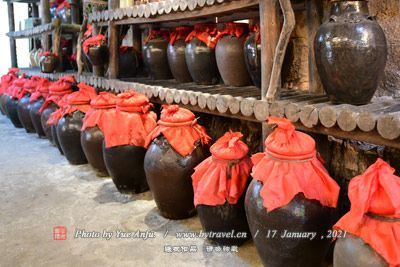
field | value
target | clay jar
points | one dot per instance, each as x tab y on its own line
350	52
128	62
12	110
48	63
23	113
56	140
98	56
44	117
170	162
200	54
230	54
252	55
35	116
176	54
124	147
155	55
3	101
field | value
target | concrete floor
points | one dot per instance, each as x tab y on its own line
40	190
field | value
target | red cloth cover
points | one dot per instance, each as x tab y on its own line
89	30
42	90
94	41
131	123
47	53
64	4
7	80
80	100
256	29
376	192
206	33
17	86
58	113
157	33
101	112
234	29
223	176
180	128
180	33
290	166
57	90
29	86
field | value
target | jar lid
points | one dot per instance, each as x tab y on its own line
229	147
287	143
104	100
78	98
176	114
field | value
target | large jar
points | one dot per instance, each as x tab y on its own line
54	118
230	54
70	125
96	51
6	82
3	101
101	112
176	54
155	55
200	54
36	102
368	235
350	52
252	54
179	144
291	202
124	146
24	104
12	101
219	185
128	62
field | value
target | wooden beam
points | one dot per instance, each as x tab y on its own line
113	43
11	28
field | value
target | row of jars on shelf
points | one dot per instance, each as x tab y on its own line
289	206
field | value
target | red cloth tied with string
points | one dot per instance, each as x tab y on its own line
42	90
7	80
29	86
17	87
94	41
290	166
233	29
131	123
223	176
57	90
80	100
180	33
101	112
157	33
256	29
58	113
64	4
375	192
179	126
206	33
89	30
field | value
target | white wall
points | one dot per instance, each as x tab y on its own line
20	13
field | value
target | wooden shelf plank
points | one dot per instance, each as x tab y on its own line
43	29
245	103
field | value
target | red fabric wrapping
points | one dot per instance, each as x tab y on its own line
57	90
223	176
64	4
256	29
180	33
180	128
89	30
17	87
29	86
101	112
131	123
7	80
42	90
290	166
47	53
234	29
375	192
94	41
157	33
58	113
206	33
79	100
73	57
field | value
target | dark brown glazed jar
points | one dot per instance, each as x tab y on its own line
229	54
176	54
69	136
252	55
276	251
23	114
352	251
200	55
350	52
98	55
92	144
12	110
168	175
3	101
53	129
128	62
44	117
155	55
35	117
48	63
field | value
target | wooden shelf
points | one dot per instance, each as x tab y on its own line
377	123
44	29
22	1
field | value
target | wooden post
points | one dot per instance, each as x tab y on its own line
270	29
113	42
11	27
45	16
57	42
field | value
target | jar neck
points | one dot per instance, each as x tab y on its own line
349	8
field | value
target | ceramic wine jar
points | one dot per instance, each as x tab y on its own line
229	54
12	110
48	63
168	175
35	117
200	54
252	55
44	117
92	144
128	62
3	101
155	55
350	52
56	140
176	54
23	114
98	56
69	136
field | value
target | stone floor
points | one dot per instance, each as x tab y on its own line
40	190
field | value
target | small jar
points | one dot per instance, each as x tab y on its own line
252	54
96	51
128	62
48	62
